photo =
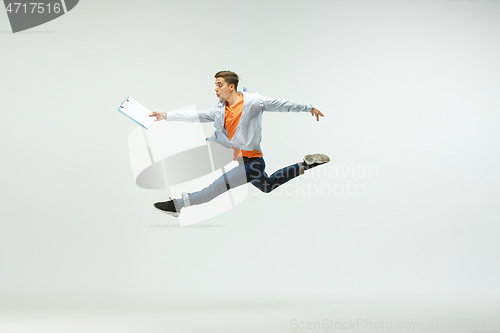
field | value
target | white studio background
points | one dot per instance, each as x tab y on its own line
410	90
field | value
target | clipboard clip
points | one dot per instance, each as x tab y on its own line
123	104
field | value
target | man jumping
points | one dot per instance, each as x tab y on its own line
238	124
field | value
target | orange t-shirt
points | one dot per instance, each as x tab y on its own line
231	121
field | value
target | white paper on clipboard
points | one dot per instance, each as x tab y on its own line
138	113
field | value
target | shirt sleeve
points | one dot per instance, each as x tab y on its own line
283	105
192	116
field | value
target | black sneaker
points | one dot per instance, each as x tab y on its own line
311	161
168	207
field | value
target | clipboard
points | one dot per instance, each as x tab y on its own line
137	112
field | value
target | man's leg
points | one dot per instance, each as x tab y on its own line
241	174
267	183
251	171
231	179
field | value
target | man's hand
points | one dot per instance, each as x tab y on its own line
315	112
159	115
237	154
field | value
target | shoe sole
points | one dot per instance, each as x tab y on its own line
167	212
316	158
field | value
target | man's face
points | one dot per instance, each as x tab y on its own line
222	89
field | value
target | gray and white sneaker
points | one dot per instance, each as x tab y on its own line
311	161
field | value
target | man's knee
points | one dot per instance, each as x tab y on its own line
267	188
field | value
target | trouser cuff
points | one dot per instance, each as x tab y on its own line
301	168
185	198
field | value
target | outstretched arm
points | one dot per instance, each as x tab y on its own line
285	105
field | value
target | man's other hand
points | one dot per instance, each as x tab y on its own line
237	153
159	115
315	112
